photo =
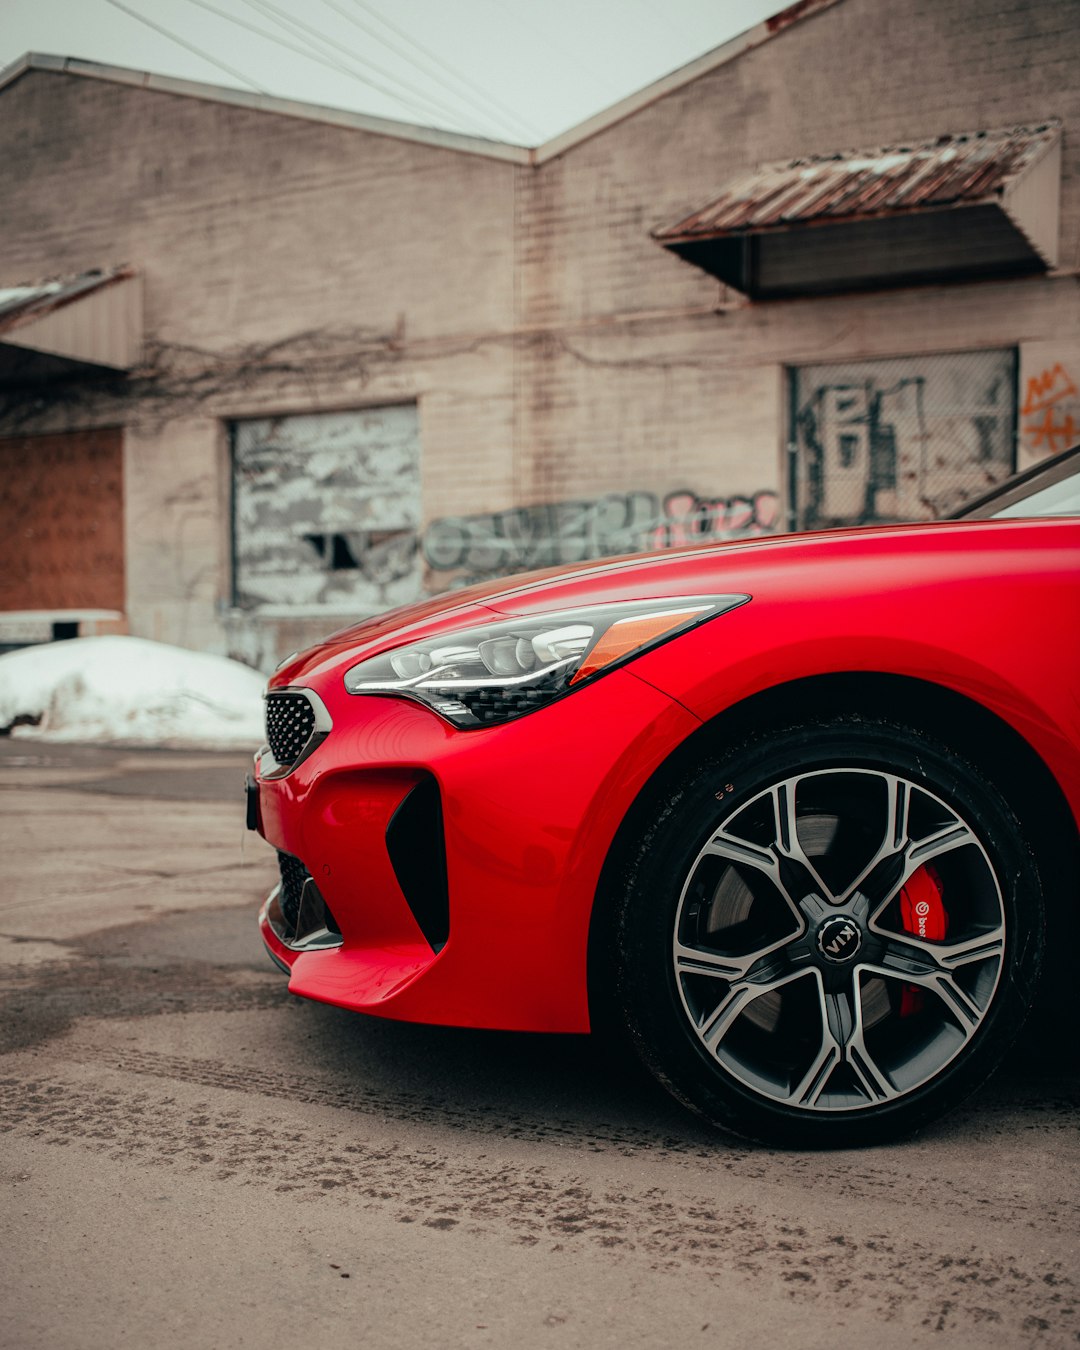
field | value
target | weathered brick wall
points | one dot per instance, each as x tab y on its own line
248	224
289	267
698	400
557	355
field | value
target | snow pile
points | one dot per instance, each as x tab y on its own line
126	689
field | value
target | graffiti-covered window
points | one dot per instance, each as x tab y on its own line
906	438
326	511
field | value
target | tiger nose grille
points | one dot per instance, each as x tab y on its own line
290	724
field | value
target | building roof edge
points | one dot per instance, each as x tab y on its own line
268	103
705	64
693	70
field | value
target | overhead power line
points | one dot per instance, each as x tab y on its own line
198	51
436	107
475	96
309	55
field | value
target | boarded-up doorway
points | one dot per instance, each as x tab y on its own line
326	510
62	521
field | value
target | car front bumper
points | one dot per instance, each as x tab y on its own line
527	813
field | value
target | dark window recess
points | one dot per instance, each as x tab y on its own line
342	552
334	550
417	848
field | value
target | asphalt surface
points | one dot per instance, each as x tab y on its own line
191	1157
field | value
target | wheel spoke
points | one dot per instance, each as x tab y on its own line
911	956
963	1006
765	861
724	845
880	873
742	992
808	1092
898	807
931	965
920	851
800	872
783	861
841	1042
697	961
900	856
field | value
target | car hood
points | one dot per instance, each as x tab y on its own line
705	569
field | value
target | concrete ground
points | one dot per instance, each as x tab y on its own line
190	1157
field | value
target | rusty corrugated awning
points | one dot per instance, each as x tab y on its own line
963	205
92	321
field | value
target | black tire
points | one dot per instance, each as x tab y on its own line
743	989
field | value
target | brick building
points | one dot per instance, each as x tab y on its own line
288	366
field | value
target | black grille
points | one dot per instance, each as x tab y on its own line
293	876
290	723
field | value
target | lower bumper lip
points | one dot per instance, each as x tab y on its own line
310	934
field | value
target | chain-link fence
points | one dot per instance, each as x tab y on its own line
905	438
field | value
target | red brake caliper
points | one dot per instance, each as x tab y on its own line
923	914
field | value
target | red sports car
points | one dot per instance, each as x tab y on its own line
793	811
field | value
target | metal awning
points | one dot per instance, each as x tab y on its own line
90	322
965	205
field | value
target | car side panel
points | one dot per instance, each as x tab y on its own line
1000	626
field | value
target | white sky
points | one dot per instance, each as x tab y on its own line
518	70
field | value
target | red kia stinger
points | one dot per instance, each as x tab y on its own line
793	812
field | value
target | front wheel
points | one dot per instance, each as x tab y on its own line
830	935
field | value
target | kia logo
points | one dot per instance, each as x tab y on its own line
839	939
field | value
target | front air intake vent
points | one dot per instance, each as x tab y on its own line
417	849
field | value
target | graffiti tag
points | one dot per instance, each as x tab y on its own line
553	533
1049	424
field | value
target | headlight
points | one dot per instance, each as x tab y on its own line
497	671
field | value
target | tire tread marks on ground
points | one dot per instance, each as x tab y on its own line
1007	1296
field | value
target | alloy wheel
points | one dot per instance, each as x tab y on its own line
838	940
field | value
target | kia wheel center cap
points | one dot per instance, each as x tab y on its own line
839	939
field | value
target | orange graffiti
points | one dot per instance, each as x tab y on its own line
1041	391
1050	423
1044	434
